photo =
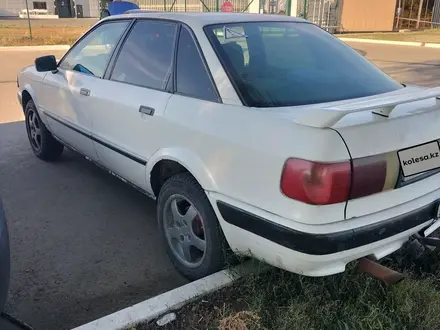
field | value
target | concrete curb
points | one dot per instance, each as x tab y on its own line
385	42
429	45
152	308
390	42
33	48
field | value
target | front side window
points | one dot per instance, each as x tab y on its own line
91	55
147	55
191	76
276	64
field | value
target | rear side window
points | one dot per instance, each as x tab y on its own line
146	56
192	77
275	64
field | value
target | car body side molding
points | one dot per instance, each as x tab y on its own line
94	138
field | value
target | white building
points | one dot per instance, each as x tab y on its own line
61	8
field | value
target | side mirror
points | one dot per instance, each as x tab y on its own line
46	63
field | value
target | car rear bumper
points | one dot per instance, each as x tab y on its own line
4	259
328	243
310	250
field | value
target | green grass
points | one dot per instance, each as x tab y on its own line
285	301
432	36
18	35
281	300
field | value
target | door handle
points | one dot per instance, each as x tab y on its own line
84	91
146	110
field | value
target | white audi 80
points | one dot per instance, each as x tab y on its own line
258	134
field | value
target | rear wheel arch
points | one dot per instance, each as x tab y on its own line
162	171
169	162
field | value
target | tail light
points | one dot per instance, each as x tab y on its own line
369	176
330	183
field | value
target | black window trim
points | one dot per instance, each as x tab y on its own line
166	88
205	65
169	87
115	55
225	67
112	59
128	27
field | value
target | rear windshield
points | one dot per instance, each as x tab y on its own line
274	64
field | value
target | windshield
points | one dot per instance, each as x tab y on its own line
274	64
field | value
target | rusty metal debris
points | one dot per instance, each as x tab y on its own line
383	273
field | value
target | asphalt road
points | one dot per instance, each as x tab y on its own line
411	65
83	243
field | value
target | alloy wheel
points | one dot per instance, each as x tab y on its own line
34	129
184	230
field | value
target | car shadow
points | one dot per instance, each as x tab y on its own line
83	243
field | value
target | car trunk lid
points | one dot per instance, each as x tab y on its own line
401	128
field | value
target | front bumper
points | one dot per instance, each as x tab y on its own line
4	259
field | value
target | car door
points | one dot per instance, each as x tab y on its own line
65	101
128	107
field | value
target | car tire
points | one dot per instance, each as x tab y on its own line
190	220
43	144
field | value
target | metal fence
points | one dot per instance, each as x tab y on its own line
280	7
325	13
410	14
408	11
436	14
192	5
274	7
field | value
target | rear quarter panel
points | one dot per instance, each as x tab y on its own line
242	152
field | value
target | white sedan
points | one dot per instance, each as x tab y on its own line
260	134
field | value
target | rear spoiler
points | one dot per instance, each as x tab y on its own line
381	105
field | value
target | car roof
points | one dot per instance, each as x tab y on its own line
201	19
